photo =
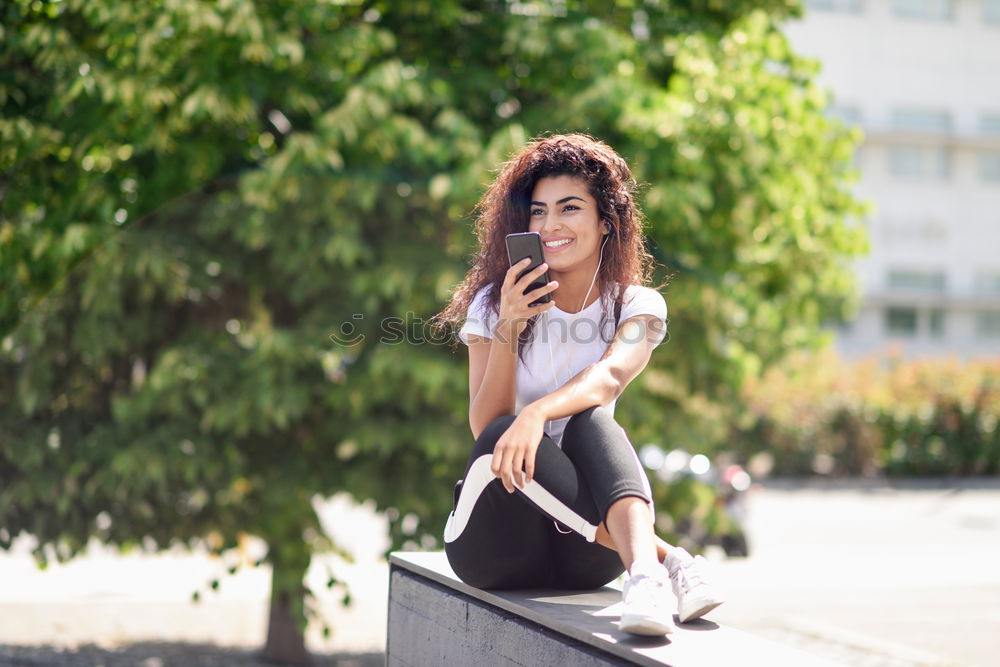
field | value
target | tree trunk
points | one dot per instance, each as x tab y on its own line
285	642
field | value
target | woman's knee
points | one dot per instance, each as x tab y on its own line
596	416
488	438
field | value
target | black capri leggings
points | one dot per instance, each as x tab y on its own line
543	536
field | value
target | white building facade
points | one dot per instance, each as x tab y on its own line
922	80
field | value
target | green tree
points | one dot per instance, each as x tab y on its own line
223	226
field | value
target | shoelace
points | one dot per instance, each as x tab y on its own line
688	576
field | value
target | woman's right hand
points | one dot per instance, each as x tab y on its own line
514	303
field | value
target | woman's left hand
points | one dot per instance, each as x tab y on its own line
516	450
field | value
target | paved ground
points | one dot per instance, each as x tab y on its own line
864	573
107	601
909	574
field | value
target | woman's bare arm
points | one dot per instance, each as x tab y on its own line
492	380
493	362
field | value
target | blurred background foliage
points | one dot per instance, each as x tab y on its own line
224	225
818	414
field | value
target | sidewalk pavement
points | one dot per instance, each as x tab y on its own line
905	572
108	599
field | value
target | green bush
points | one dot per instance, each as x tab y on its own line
954	438
818	414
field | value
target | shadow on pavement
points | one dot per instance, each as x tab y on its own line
163	654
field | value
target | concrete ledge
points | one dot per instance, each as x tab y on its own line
435	619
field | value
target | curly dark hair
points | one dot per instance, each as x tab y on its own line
505	209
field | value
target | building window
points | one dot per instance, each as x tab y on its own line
901	321
932	281
991	11
850	6
988	324
939	10
988	282
909	322
989	166
921	120
989	123
925	162
935	321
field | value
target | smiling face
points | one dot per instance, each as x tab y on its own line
565	214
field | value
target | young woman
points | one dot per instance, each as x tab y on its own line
553	493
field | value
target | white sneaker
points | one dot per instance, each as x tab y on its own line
645	607
695	596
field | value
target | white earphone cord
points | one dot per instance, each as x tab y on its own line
552	365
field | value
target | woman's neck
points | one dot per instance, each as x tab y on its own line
569	297
574	285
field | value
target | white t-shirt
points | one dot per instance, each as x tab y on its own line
573	339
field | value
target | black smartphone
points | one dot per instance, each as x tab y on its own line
529	244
